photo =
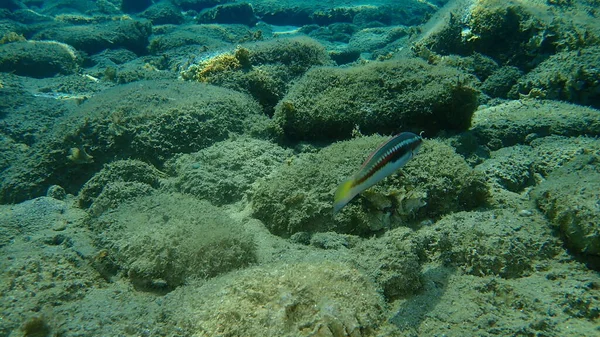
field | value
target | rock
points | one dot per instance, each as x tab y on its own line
135	6
199	5
309	299
569	76
512	167
393	262
500	82
146	119
408	94
240	13
520	34
163	12
498	242
263	69
117	182
38	58
298	197
371	39
225	171
163	240
569	198
514	122
127	33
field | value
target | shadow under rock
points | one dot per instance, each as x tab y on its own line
412	313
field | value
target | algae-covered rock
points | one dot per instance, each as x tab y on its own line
328	103
180	43
287	300
149	120
512	167
126	33
162	240
163	12
371	39
38	58
223	172
498	242
262	69
499	83
198	5
570	76
554	152
393	262
569	198
118	171
516	33
299	196
516	122
240	13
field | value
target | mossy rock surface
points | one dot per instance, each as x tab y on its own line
38	58
497	242
118	171
126	33
147	120
223	172
321	298
568	76
328	103
517	122
569	198
393	261
299	196
262	69
515	33
163	240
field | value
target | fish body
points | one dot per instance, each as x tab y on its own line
384	161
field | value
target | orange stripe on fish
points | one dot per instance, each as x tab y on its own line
384	161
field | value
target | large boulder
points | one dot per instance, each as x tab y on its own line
225	171
408	94
126	33
38	58
163	240
149	120
569	198
298	197
518	122
320	298
570	76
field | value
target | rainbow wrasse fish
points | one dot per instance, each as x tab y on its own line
384	161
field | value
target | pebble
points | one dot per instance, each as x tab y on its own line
59	226
525	213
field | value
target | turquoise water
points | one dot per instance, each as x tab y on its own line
168	168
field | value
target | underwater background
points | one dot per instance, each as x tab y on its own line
168	168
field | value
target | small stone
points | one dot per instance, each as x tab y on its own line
56	192
525	213
59	226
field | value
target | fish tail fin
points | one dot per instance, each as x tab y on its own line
343	195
